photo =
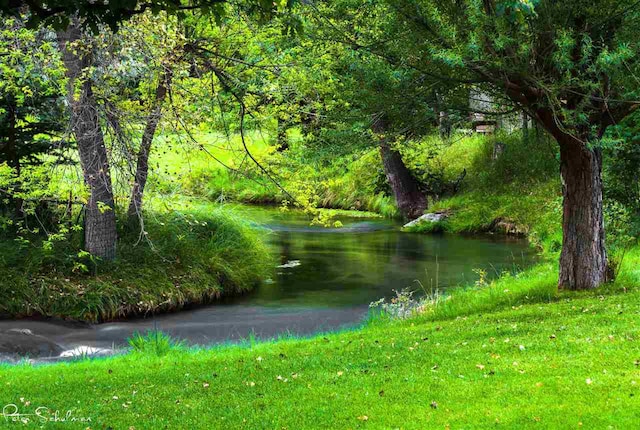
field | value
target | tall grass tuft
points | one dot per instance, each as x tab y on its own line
154	342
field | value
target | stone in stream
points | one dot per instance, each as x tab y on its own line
15	343
430	217
289	264
85	351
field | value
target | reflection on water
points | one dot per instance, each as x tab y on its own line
368	259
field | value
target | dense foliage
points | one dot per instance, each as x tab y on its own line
127	126
110	110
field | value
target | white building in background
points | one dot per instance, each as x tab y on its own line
485	114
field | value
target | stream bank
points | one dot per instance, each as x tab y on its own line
322	279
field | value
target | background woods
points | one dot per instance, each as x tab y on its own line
315	106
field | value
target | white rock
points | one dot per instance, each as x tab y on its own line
289	264
430	217
83	351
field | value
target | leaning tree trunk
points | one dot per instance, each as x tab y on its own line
410	200
100	219
142	167
583	261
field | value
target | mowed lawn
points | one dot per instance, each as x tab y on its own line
571	363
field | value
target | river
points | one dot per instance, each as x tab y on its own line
324	280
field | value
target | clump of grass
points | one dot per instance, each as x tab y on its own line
404	305
182	258
536	285
153	342
494	189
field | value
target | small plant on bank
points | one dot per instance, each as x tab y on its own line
404	305
482	277
154	342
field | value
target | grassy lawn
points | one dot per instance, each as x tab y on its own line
514	354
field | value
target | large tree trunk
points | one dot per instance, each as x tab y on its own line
100	219
142	167
410	200
583	262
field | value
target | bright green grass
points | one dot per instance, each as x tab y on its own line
185	257
522	356
516	188
219	168
537	213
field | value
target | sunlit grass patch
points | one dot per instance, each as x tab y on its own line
181	258
218	168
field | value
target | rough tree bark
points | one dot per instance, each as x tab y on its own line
99	221
142	167
583	261
410	200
